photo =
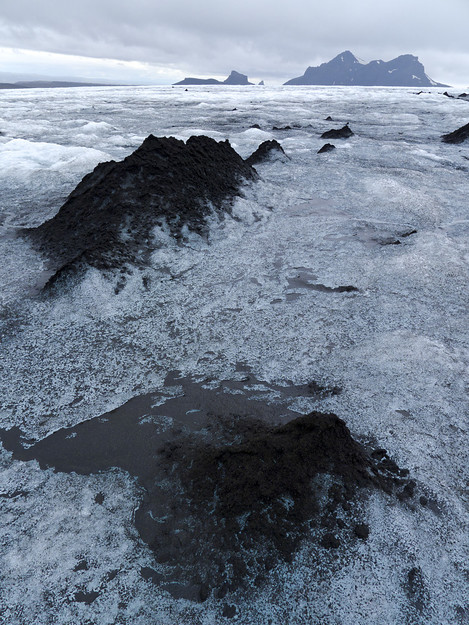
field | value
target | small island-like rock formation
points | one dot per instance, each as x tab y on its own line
235	78
345	69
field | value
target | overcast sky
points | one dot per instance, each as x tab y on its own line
162	41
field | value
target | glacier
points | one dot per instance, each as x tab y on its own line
386	212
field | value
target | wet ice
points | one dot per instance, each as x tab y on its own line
397	347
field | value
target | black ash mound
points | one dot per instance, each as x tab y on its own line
268	150
108	219
327	147
461	96
233	485
458	136
341	133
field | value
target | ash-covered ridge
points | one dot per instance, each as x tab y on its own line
107	221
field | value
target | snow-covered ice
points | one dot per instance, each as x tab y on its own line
386	212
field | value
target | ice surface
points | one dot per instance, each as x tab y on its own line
41	170
397	347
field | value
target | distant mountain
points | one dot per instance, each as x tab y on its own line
235	78
48	84
345	69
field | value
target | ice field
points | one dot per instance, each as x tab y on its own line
386	212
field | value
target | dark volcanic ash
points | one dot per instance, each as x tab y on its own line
107	221
231	483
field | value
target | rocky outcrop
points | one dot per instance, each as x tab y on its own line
109	218
345	69
461	96
327	147
341	133
458	136
267	150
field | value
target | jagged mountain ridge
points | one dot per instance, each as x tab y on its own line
345	69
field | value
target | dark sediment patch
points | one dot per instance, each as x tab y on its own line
362	531
327	147
409	233
458	136
267	150
107	221
81	566
321	391
347	288
394	240
303	281
304	278
418	595
232	479
229	611
341	133
14	494
86	597
389	241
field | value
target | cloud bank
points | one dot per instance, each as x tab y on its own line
258	37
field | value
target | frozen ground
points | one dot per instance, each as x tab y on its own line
261	292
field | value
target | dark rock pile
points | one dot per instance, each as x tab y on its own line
267	150
327	147
461	96
108	219
458	136
234	485
342	133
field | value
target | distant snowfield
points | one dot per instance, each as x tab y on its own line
386	212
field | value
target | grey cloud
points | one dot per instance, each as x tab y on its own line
256	37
